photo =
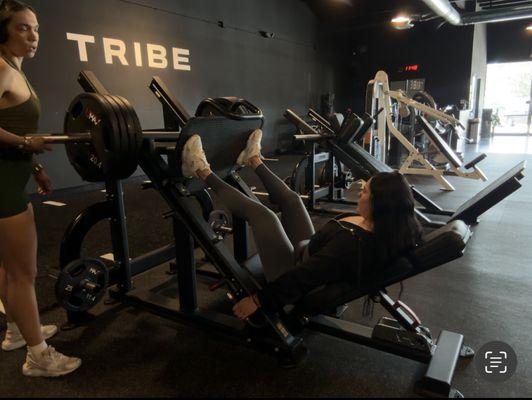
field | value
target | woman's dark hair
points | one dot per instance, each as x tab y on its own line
7	9
395	225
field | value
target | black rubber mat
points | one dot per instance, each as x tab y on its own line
127	352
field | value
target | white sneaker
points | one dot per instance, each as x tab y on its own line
193	157
252	149
14	340
51	364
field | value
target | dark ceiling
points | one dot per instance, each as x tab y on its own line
341	10
341	15
367	13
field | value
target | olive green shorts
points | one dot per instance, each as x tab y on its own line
14	176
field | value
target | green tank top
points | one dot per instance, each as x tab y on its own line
22	119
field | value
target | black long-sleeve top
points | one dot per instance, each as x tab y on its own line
337	252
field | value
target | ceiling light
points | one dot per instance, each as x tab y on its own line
402	22
529	28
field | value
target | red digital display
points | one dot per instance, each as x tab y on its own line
410	68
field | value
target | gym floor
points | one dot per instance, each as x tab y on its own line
127	352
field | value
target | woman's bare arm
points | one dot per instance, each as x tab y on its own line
7	139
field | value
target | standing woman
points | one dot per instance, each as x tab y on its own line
19	116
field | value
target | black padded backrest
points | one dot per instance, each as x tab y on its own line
439	247
349	128
491	194
437	140
359	161
329	297
364	128
223	139
370	89
229	107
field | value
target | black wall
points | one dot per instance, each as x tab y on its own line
287	71
509	42
444	56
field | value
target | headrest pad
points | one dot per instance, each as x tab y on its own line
442	245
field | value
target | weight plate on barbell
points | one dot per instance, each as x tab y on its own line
130	131
100	160
137	127
82	284
121	139
83	158
83	155
107	142
134	129
129	135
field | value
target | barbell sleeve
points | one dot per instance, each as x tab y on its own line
63	137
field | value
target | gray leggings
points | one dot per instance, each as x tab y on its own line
276	240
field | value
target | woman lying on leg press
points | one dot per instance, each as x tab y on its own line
348	248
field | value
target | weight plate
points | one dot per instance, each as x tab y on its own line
103	159
83	158
134	127
115	151
113	147
323	174
130	154
120	136
87	114
134	130
82	284
123	115
298	178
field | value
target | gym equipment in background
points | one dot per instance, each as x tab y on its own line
344	147
378	96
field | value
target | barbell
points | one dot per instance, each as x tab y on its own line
103	137
63	138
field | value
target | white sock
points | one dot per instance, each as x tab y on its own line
36	351
12	327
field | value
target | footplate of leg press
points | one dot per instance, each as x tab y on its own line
439	375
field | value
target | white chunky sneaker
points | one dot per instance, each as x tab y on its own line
252	149
50	364
14	340
193	157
